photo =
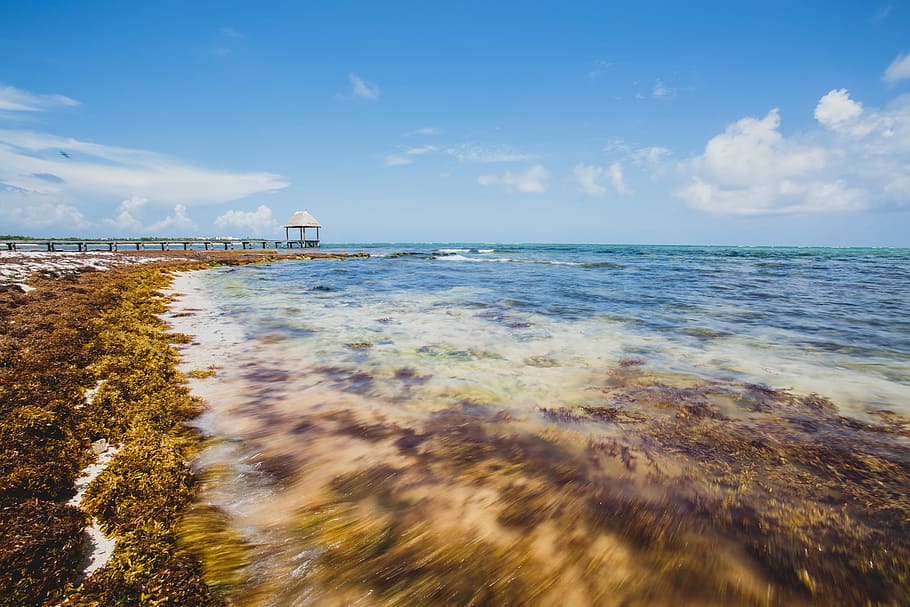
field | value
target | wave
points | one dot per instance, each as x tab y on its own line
544	262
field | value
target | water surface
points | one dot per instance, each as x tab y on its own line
604	423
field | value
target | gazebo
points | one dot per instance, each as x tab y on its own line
302	220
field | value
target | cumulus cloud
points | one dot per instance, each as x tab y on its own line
533	179
587	176
178	223
18	100
837	107
898	70
589	179
31	162
252	223
362	88
777	197
126	215
753	150
616	179
44	215
857	160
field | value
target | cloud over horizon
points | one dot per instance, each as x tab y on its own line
855	159
589	179
531	180
39	169
251	223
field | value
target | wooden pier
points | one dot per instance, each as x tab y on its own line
164	244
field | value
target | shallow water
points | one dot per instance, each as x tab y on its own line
534	415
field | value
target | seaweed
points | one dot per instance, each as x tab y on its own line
41	550
69	334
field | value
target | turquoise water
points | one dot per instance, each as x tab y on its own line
503	424
833	321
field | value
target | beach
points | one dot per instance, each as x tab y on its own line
503	425
95	473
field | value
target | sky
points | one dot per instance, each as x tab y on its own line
715	123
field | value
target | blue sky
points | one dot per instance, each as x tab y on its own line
677	123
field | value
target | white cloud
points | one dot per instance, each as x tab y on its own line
363	89
898	70
616	179
587	177
126	219
661	91
772	198
18	100
836	107
464	152
858	160
134	203
45	214
531	180
752	150
172	224
421	150
32	162
652	158
396	160
253	223
474	152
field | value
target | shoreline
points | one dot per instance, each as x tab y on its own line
765	488
65	324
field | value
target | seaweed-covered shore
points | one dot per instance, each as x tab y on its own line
660	489
68	331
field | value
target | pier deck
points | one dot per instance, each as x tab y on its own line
164	244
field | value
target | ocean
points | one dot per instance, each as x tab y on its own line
547	424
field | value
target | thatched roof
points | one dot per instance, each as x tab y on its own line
302	219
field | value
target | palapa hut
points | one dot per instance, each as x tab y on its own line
302	220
